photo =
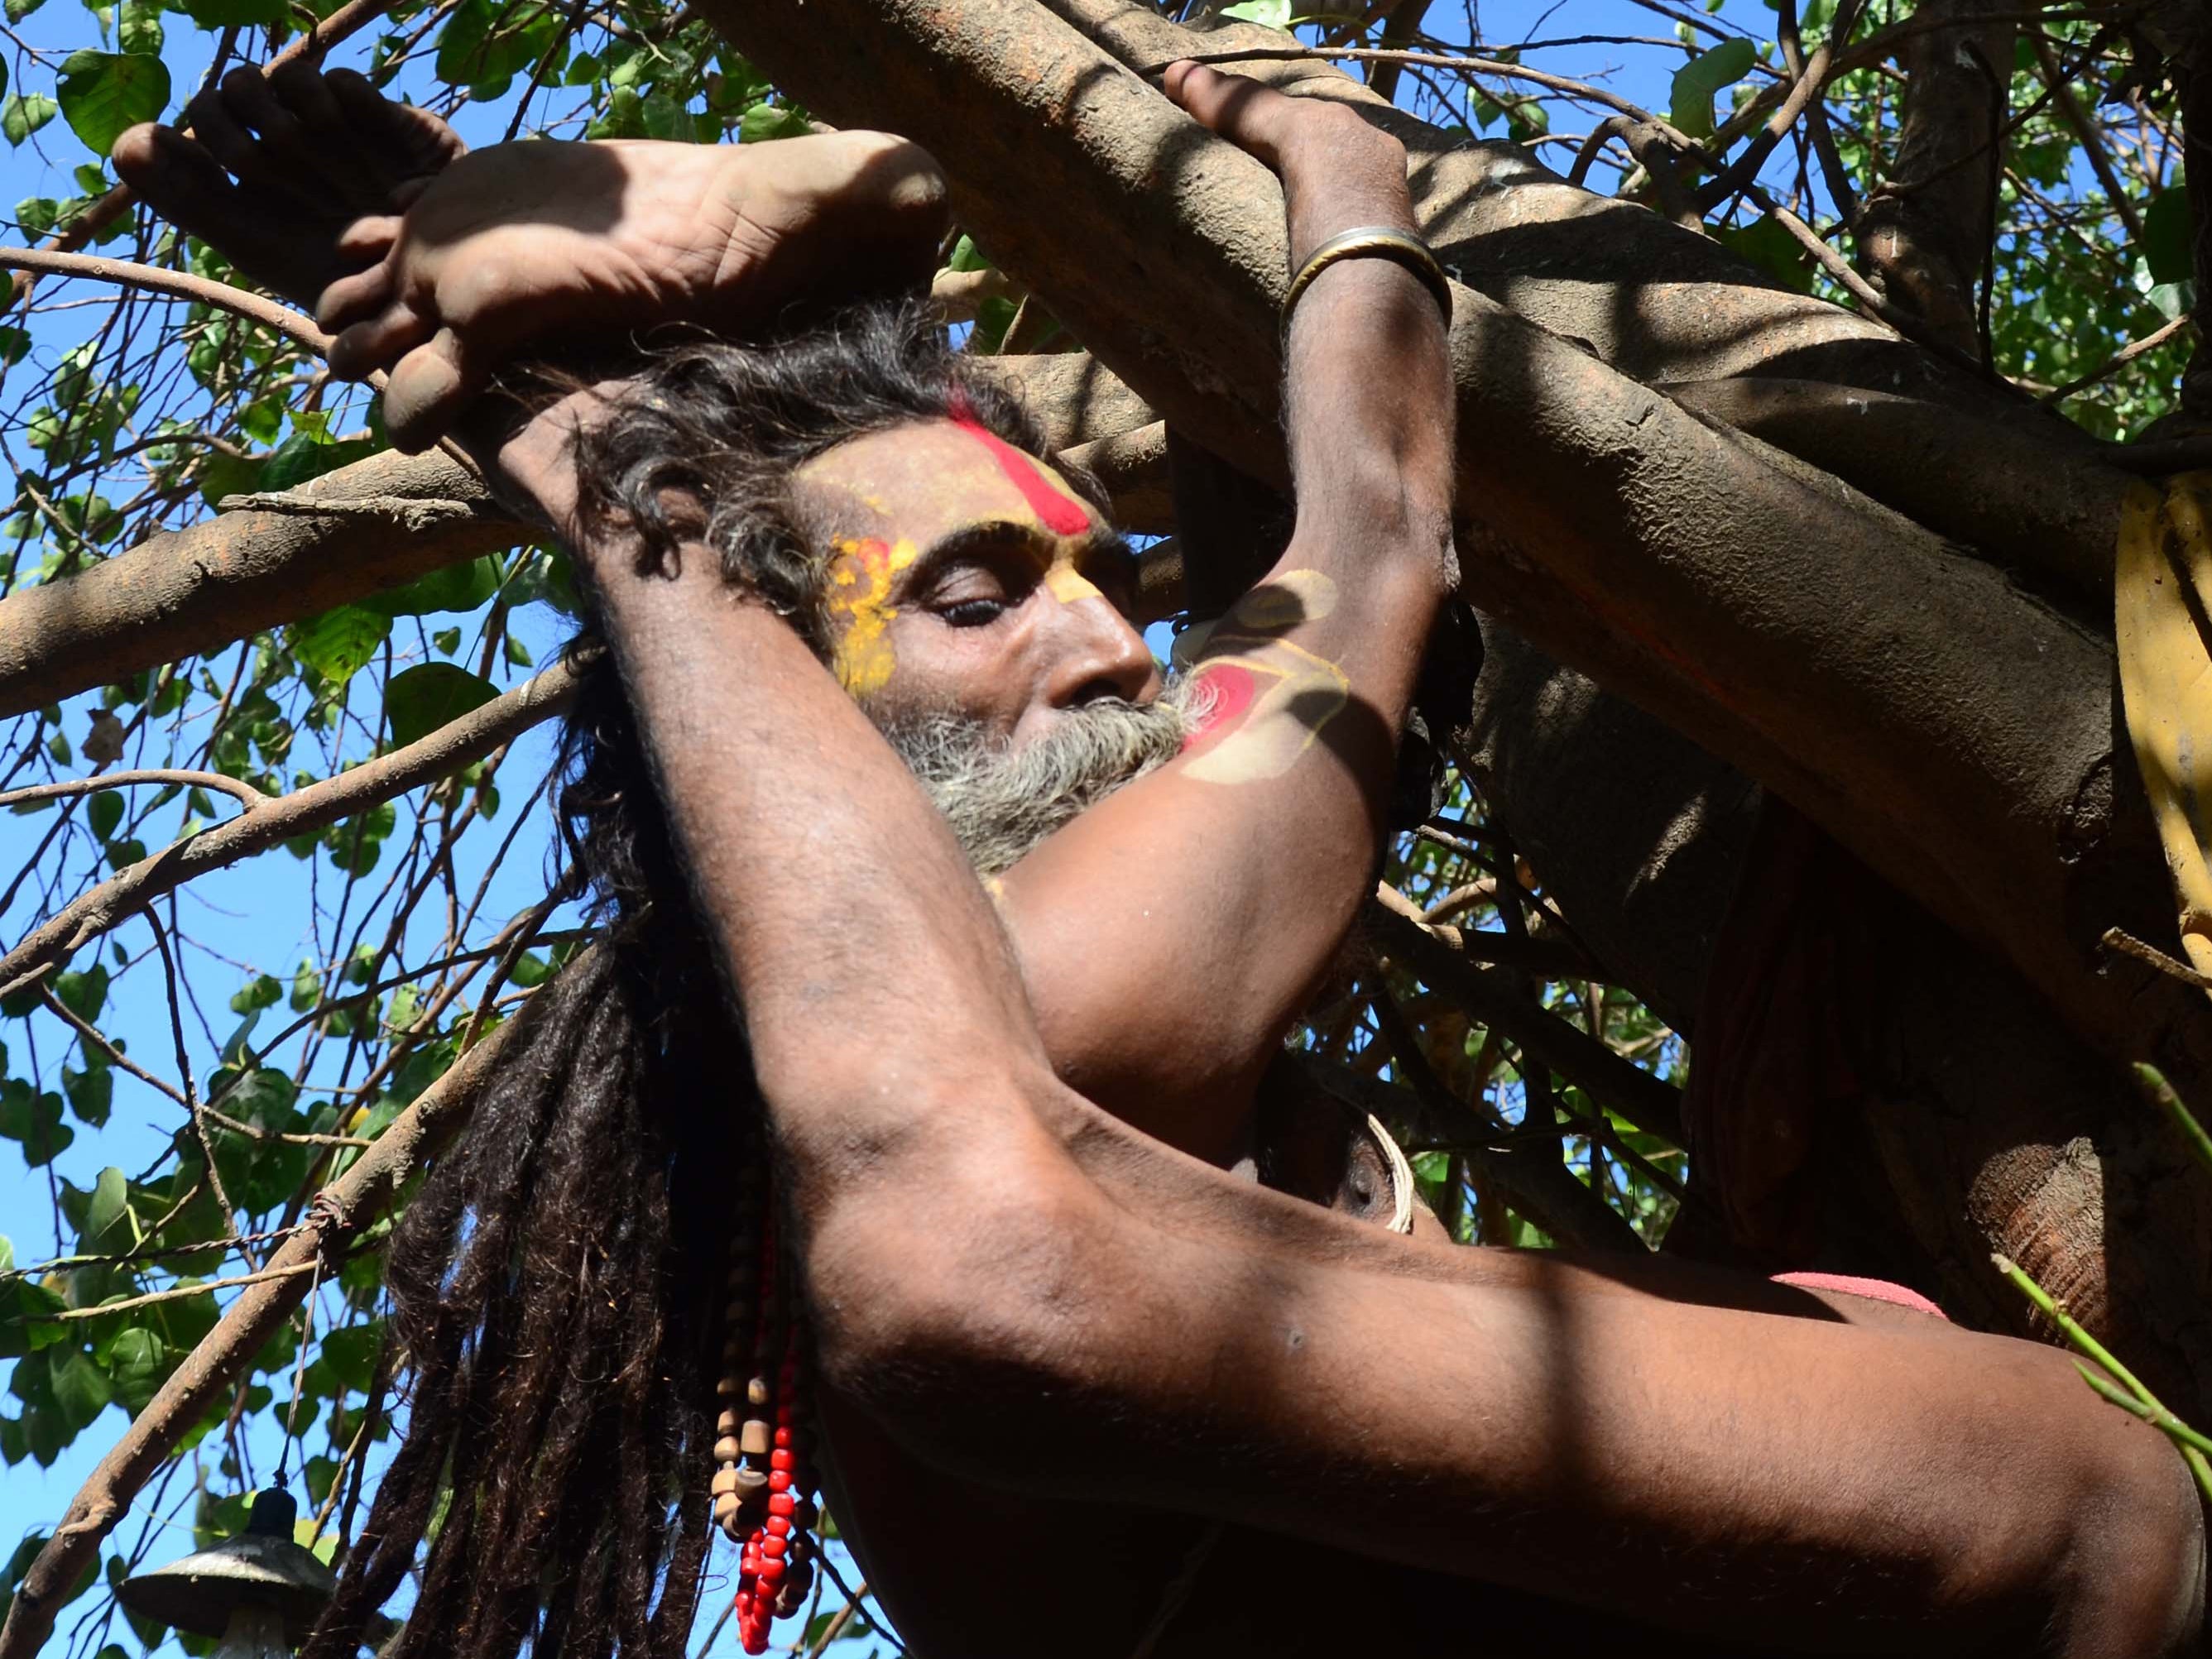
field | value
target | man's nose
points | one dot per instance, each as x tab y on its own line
1100	656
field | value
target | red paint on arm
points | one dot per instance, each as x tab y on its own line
1229	688
1058	514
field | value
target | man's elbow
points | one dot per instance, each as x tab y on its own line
952	1314
2136	1588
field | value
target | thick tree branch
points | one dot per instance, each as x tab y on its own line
1950	729
303	812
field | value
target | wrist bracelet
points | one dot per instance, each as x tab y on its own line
1372	242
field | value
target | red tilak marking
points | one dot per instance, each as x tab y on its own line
1058	514
1229	689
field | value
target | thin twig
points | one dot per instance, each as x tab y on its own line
2128	945
176	1292
177	284
2119	360
60	788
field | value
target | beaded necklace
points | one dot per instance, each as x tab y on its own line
764	1485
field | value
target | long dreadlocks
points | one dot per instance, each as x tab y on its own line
557	1286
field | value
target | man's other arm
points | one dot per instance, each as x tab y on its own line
1170	935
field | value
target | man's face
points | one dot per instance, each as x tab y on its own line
967	579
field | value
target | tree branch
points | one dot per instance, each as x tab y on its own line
177	284
303	812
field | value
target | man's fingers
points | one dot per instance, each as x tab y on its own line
380	342
1248	115
429	389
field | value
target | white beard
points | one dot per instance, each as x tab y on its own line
1001	802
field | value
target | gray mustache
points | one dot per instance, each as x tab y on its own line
1001	802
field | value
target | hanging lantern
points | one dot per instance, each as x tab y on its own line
259	1592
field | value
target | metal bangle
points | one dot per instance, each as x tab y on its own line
1372	242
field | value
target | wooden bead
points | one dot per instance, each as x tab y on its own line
727	1423
756	1392
728	1388
726	1449
725	1483
756	1440
752	1483
805	1514
725	1510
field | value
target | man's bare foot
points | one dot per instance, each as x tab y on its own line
323	165
543	248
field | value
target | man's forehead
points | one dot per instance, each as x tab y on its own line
934	475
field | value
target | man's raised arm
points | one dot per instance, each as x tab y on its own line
1170	935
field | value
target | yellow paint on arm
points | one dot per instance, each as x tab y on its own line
860	606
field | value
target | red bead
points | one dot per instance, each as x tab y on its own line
783	1439
771	1574
773	1550
778	1527
779	1480
782	1503
781	1459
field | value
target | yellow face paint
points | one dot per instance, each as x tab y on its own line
1068	584
859	596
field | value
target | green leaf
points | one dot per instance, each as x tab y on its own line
81	1389
21	116
91	1093
122	855
1696	81
260	991
303	456
2165	236
110	1203
428	696
1765	243
462	587
758	125
138	28
339	642
1274	13
306	988
105	814
137	1364
351	1354
19	10
104	92
84	995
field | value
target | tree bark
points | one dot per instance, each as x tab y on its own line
1954	731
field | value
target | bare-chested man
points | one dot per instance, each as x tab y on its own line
1070	1385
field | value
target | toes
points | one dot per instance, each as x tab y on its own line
390	337
429	389
227	139
351	300
178	179
366	240
285	148
299	87
397	143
